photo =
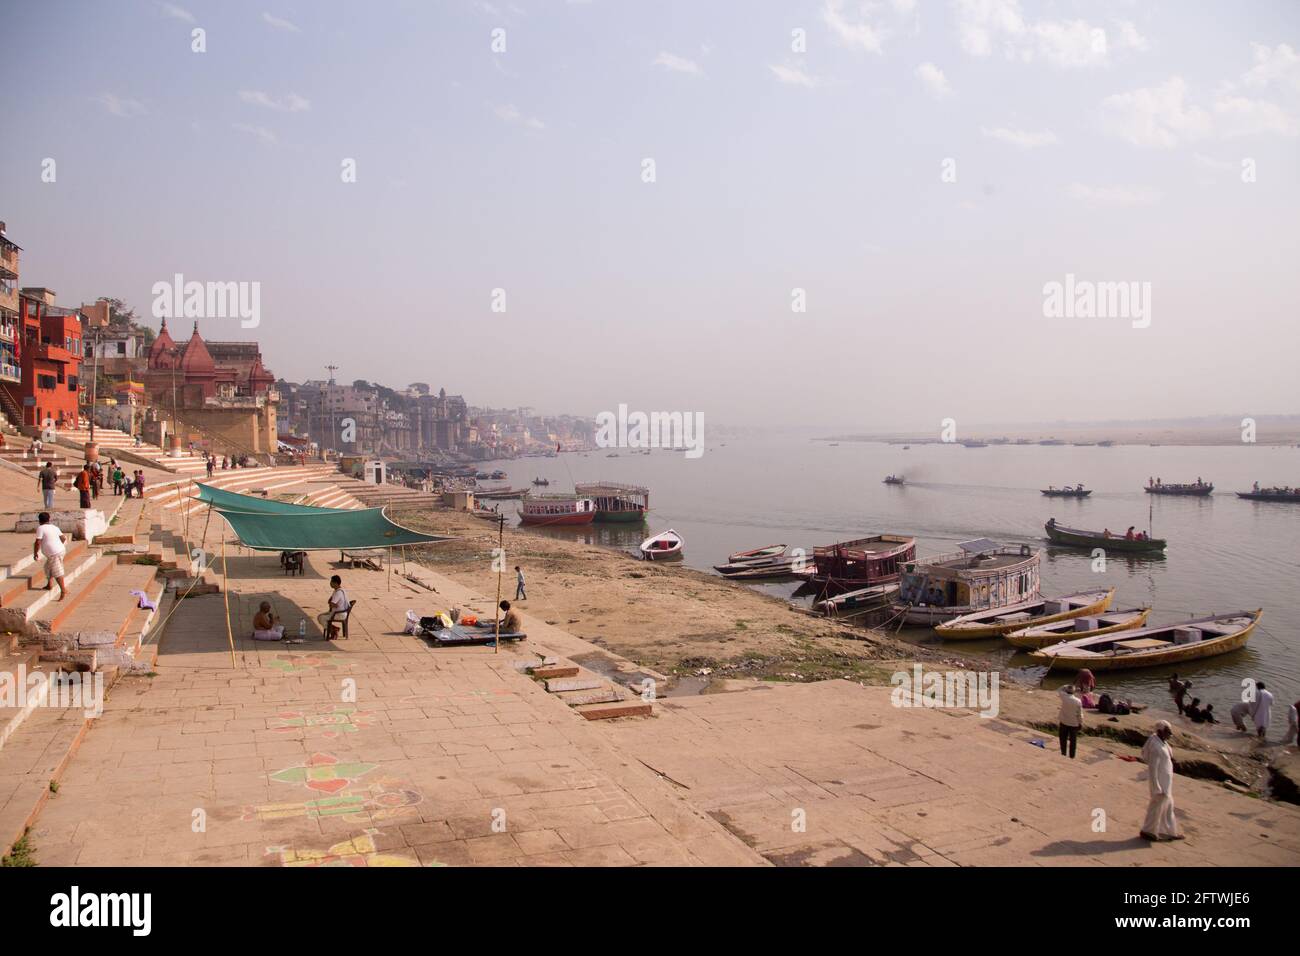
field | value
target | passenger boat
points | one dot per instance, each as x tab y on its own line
1271	494
616	501
754	554
556	510
1014	617
541	482
1067	492
1074	538
894	479
1090	625
1198	489
1154	646
862	562
861	599
981	575
498	475
663	546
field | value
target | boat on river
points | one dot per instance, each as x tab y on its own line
894	479
862	562
1075	538
1199	489
981	575
862	599
1090	625
998	621
616	501
756	554
1270	494
557	510
663	546
1154	646
1067	492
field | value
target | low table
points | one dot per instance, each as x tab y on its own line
365	557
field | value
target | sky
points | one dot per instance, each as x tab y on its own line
816	212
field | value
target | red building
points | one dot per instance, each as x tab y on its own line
49	354
197	376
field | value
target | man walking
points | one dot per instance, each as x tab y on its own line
520	593
210	463
1160	823
49	543
83	484
1070	720
46	480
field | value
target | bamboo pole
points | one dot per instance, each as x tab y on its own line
225	593
501	567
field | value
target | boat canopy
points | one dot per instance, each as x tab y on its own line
979	546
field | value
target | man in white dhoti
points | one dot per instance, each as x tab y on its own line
1160	823
1263	709
1240	711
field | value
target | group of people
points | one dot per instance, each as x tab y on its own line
1193	711
1130	535
267	625
1257	709
89	482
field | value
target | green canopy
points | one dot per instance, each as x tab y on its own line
229	501
324	529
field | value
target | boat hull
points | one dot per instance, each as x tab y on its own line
1067	494
1268	496
1030	641
1184	492
958	630
1158	657
1074	538
920	615
620	517
557	520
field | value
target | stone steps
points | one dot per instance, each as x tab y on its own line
589	694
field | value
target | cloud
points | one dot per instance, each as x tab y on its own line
176	13
794	76
261	132
119	105
677	64
1114	195
988	26
280	24
510	114
1160	116
290	103
860	33
1278	66
1022	138
1242	116
934	80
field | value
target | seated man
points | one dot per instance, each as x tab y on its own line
266	625
510	623
337	607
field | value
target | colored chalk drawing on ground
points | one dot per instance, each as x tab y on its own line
297	663
324	772
358	851
379	799
336	721
463	697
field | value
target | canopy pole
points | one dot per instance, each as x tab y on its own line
501	567
225	593
390	569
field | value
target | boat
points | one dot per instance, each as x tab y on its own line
787	566
1089	625
1108	443
1199	489
482	475
500	494
663	546
541	482
487	514
862	599
971	443
557	510
616	502
1052	441
1154	646
894	479
1067	492
1075	538
1271	494
767	551
907	448
980	575
498	475
1014	617
862	562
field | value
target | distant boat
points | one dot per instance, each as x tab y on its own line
498	475
663	546
543	482
1089	625
1154	646
1198	489
971	443
893	479
995	622
1105	444
1051	441
616	501
1067	492
1074	538
1271	494
557	510
907	447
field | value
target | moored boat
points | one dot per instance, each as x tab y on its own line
1014	617
980	575
862	562
662	546
617	502
754	554
787	566
557	510
1090	625
1075	538
1067	492
1154	646
861	599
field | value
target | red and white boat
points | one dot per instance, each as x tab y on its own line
555	510
663	546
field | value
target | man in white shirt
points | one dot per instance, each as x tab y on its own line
1160	822
1263	709
337	607
49	544
1070	720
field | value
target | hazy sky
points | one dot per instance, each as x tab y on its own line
1106	140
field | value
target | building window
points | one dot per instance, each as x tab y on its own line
46	381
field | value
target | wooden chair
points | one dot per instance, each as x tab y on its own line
336	619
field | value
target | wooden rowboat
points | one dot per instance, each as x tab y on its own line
993	622
1075	538
1154	646
767	551
769	570
663	546
861	599
1090	625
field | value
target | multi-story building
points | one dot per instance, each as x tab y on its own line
9	319
49	356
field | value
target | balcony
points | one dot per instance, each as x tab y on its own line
10	373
